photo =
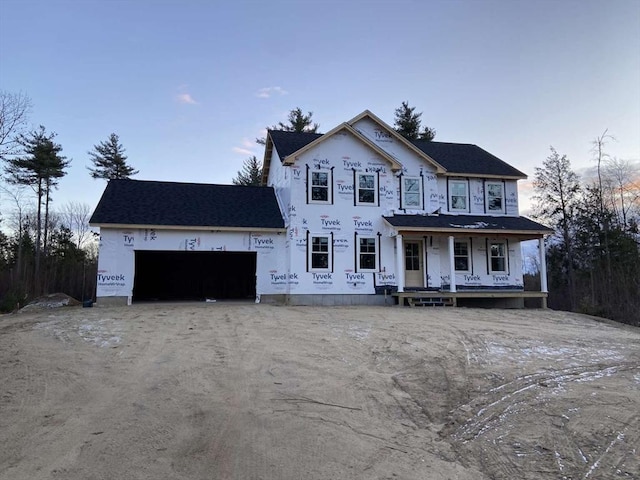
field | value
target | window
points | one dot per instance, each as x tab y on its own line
366	253
461	255
320	253
458	195
498	257
411	192
494	197
320	189
412	256
366	189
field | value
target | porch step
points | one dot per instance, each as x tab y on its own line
418	301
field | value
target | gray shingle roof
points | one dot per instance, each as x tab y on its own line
462	158
466	222
467	158
138	202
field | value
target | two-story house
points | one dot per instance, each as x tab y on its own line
356	215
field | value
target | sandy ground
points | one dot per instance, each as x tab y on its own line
230	391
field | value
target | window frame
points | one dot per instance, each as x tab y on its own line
466	242
504	257
328	252
487	203
403	199
329	187
452	184
374	243
375	189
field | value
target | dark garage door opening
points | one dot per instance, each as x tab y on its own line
194	275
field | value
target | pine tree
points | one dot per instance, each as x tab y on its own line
251	173
40	168
298	122
407	124
109	160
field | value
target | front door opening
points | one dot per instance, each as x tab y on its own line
414	264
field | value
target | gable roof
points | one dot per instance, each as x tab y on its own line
468	224
289	159
186	205
452	159
466	158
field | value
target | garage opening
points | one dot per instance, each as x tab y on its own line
174	276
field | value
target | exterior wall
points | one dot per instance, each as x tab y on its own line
116	261
479	275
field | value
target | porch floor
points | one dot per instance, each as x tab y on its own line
414	298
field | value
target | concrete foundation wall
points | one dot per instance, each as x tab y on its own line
328	300
112	301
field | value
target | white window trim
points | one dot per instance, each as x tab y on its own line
506	257
486	197
375	189
466	193
375	254
329	253
403	201
328	201
467	242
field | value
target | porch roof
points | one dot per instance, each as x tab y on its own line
468	224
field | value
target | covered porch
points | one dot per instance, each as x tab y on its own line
455	260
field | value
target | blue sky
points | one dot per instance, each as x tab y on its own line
189	85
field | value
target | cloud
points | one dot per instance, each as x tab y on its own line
243	151
186	99
268	92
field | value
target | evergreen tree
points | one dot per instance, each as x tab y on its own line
251	173
40	168
557	195
297	122
109	160
407	122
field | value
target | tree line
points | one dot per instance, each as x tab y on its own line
593	257
47	251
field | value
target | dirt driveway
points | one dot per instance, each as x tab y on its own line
228	391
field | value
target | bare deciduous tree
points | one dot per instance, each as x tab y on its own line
75	216
14	112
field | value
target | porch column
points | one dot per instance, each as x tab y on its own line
543	266
452	266
399	263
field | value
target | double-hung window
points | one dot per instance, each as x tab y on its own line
412	192
494	197
320	253
458	195
461	255
367	254
320	186
498	257
366	188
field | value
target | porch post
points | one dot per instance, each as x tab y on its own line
452	266
543	266
399	263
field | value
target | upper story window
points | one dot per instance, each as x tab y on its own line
320	183
458	195
366	189
494	197
367	254
498	257
461	255
411	192
320	253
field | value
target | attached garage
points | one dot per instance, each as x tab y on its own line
163	275
166	241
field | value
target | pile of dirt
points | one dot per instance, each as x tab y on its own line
52	300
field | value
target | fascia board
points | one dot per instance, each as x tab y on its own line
211	228
291	158
367	114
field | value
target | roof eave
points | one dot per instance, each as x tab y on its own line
439	168
291	158
212	228
484	175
